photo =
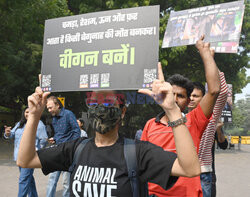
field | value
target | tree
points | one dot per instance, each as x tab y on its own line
21	38
184	60
241	115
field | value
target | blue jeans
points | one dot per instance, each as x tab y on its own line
53	179
206	183
27	185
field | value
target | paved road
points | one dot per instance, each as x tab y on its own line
9	174
233	172
232	169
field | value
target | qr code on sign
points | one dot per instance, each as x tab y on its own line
105	77
94	78
84	79
149	75
46	81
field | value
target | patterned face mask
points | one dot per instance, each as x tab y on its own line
103	118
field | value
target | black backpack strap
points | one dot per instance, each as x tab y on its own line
78	151
131	161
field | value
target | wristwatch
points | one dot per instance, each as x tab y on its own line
177	122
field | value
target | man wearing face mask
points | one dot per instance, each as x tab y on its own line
104	117
101	168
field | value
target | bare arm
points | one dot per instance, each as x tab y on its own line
221	140
187	162
27	155
212	77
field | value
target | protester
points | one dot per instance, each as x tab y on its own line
222	143
65	129
158	132
27	184
207	140
80	122
104	154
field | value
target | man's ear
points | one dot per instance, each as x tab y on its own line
124	109
58	106
188	101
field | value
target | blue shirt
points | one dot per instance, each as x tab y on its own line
65	126
138	134
17	133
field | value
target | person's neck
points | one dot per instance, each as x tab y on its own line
164	119
106	139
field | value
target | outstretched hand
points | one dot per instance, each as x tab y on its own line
162	92
7	130
204	47
201	45
37	102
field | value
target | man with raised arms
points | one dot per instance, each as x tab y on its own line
158	131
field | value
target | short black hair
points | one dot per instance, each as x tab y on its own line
81	120
200	87
183	82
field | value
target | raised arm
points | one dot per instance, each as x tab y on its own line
27	155
222	98
221	140
212	77
187	163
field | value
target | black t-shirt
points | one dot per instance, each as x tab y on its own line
102	171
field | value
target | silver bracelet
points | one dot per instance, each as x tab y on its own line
177	122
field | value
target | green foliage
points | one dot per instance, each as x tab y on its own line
138	114
21	39
101	5
234	131
241	116
5	109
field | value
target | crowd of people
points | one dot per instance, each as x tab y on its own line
172	156
62	127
